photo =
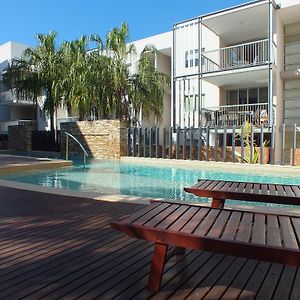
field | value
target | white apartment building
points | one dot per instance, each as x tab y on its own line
13	109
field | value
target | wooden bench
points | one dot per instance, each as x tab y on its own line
220	190
254	235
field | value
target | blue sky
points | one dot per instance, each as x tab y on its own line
21	20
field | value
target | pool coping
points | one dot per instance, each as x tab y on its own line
38	164
222	166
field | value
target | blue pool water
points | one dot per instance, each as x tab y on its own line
118	177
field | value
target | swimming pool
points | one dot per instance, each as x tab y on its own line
121	177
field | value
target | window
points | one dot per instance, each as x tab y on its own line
196	58
191	58
186	59
247	96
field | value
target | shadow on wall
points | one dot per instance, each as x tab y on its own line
102	139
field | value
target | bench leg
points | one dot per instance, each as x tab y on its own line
157	266
217	203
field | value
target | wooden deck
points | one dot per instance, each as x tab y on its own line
55	247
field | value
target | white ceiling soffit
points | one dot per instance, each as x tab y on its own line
290	14
243	24
246	78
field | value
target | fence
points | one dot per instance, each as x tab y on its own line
245	144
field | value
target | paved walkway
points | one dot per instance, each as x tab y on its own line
59	247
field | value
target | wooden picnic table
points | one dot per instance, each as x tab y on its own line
220	190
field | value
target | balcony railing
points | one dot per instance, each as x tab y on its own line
13	97
238	56
235	115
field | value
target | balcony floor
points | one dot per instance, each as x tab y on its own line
55	247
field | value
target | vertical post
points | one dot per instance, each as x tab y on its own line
134	141
216	144
294	144
199	143
67	147
242	143
156	141
224	143
150	142
128	142
207	143
261	144
177	141
139	141
184	143
233	144
163	143
170	142
251	143
272	159
191	142
84	159
145	142
282	143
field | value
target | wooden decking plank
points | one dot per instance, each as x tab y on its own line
177	214
254	282
92	276
184	219
204	286
219	224
195	220
71	258
284	286
162	215
288	236
259	229
295	292
219	288
245	227
213	184
200	183
203	271
178	280
237	285
273	231
204	184
207	223
173	266
268	286
232	225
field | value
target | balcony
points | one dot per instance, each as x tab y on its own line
13	97
234	57
235	115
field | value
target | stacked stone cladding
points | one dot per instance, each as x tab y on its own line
103	139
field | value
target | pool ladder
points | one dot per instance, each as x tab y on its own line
85	154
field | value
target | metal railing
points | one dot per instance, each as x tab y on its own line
237	56
85	154
14	97
245	144
235	115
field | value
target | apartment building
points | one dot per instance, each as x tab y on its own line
13	107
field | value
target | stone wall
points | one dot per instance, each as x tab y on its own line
19	136
101	139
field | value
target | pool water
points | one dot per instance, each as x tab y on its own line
119	177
